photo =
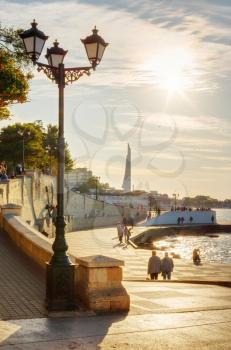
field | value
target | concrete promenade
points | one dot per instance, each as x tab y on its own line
163	315
104	241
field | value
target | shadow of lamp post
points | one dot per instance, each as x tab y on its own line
60	283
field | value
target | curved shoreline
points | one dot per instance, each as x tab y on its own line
156	232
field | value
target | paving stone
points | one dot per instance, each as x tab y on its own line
23	284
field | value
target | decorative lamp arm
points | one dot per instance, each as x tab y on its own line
70	74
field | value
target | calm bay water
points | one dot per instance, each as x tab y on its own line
216	249
223	216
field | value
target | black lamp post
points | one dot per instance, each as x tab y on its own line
175	195
97	179
150	203
151	199
60	271
23	134
49	153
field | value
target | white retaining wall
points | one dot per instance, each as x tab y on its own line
81	211
170	218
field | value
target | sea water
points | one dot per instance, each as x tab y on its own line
216	248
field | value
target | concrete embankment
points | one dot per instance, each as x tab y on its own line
36	194
150	234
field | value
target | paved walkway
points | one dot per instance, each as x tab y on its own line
104	241
22	284
163	315
159	329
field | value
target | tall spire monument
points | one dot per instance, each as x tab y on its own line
127	175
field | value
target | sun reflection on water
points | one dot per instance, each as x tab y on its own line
214	249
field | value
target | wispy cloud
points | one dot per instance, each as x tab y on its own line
123	100
217	168
160	22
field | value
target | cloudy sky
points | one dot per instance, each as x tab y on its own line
163	86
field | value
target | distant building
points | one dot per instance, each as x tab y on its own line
127	175
138	201
77	177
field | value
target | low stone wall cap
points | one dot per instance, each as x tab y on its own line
99	261
11	205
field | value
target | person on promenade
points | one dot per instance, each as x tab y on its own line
154	266
149	216
167	266
196	257
18	169
124	221
120	231
127	234
4	176
132	220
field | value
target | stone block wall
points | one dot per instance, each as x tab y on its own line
35	191
99	284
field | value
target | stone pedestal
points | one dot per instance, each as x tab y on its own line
98	284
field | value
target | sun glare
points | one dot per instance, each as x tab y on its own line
172	70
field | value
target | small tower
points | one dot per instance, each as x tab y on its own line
127	175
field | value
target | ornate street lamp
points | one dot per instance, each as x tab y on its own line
34	41
60	293
94	46
55	55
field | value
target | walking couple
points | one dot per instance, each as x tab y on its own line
123	231
157	265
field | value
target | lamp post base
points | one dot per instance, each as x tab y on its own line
60	287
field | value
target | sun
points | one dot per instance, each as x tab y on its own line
172	69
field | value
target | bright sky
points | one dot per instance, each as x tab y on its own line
163	86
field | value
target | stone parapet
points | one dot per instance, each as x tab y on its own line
99	284
27	239
10	208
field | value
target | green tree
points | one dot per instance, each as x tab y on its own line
83	188
14	75
93	183
22	138
103	187
39	146
51	146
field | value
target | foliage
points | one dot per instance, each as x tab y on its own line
40	146
11	43
14	75
50	141
93	183
200	202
